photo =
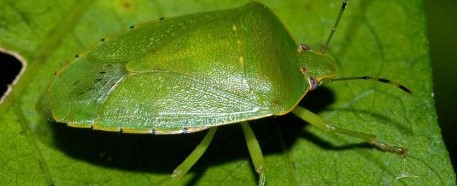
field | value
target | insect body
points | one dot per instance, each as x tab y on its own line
185	74
191	73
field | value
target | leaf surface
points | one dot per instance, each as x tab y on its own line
368	42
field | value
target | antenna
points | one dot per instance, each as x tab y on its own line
340	14
382	80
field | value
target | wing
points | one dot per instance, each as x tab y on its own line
168	102
160	102
178	75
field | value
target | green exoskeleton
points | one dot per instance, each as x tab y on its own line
192	73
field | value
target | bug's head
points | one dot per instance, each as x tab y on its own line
318	69
315	66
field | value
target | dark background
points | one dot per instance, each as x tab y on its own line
442	31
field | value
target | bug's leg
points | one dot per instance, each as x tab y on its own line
317	121
255	152
182	169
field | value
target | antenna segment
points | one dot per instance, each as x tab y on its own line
340	14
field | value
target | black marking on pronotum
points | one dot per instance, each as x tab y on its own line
75	83
185	130
103	39
98	79
132	27
102	72
77	56
104	83
162	18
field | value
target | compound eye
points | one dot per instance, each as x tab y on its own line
313	83
303	48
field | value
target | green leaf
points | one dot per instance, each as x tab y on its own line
379	38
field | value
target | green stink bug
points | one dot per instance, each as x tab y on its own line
185	82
